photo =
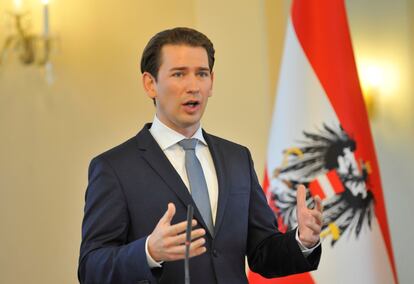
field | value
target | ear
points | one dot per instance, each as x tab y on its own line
149	84
212	83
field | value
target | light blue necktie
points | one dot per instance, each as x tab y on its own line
198	185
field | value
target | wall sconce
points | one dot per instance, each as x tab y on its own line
371	77
378	81
31	49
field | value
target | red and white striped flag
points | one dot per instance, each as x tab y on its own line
320	137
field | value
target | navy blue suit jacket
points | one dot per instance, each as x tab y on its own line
128	192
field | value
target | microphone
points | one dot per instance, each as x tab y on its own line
190	211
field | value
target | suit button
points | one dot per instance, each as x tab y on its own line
215	253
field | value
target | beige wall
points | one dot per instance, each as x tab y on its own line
49	133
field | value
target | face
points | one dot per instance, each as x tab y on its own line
182	88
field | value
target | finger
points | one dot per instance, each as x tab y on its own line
169	214
198	251
181	238
317	215
179	227
301	196
180	249
195	252
318	203
315	228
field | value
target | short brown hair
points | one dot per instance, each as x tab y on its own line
151	57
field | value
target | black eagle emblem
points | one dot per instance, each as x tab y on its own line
325	160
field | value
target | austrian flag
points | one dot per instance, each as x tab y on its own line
320	137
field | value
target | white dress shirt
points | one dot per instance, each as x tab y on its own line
167	139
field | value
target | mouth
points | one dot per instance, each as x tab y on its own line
192	103
192	106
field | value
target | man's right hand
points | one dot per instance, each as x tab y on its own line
167	242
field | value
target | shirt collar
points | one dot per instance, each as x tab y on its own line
167	137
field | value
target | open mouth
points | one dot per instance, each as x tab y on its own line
192	103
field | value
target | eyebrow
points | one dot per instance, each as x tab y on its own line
185	68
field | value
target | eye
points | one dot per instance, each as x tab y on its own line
178	74
203	74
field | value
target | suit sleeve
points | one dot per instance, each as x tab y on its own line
269	252
105	254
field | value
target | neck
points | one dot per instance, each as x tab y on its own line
187	131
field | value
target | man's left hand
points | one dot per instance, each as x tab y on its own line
309	220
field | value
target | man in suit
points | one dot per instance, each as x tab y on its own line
134	224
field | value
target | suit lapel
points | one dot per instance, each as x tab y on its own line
223	190
155	157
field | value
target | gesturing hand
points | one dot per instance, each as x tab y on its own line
166	242
309	220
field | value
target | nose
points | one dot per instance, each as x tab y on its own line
193	86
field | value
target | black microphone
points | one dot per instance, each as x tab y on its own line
190	211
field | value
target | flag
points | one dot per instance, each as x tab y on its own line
320	137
